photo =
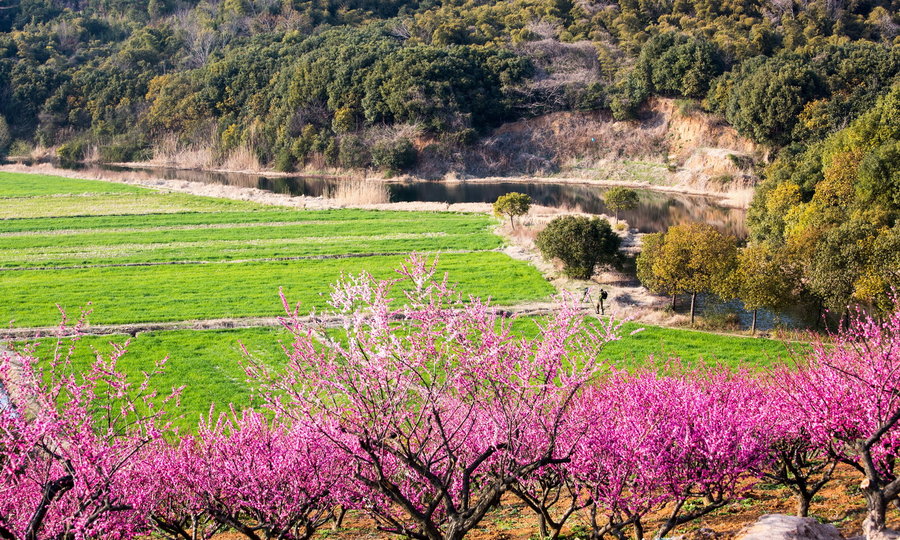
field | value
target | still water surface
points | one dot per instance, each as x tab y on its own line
656	212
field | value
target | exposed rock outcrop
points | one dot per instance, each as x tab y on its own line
784	527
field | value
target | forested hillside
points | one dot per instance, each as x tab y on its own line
381	84
353	83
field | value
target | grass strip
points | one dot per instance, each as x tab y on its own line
30	185
210	291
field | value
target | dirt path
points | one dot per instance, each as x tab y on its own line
523	310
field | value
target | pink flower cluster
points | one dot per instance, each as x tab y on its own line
424	413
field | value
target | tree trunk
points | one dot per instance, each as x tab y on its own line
511	224
693	304
542	521
875	524
638	530
674	296
819	314
753	333
803	501
339	519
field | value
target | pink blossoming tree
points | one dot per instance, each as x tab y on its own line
248	474
848	394
67	443
666	443
439	408
802	463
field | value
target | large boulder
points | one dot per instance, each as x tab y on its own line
783	527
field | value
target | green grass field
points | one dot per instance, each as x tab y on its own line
220	290
69	239
241	240
34	185
208	362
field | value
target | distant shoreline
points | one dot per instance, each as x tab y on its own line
733	199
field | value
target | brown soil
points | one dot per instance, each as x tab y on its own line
839	503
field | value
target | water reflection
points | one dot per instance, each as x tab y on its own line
656	211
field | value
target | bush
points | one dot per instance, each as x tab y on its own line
741	162
593	98
580	243
124	152
629	96
72	151
352	153
19	148
394	156
5	138
284	161
462	137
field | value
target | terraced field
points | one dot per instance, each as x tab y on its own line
137	255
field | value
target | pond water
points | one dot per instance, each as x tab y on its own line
656	212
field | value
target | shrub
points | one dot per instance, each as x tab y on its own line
629	96
687	107
344	120
284	161
19	147
5	137
73	151
462	137
593	98
352	153
741	162
124	152
394	156
580	243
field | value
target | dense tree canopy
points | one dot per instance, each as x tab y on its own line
290	81
690	258
834	205
581	244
